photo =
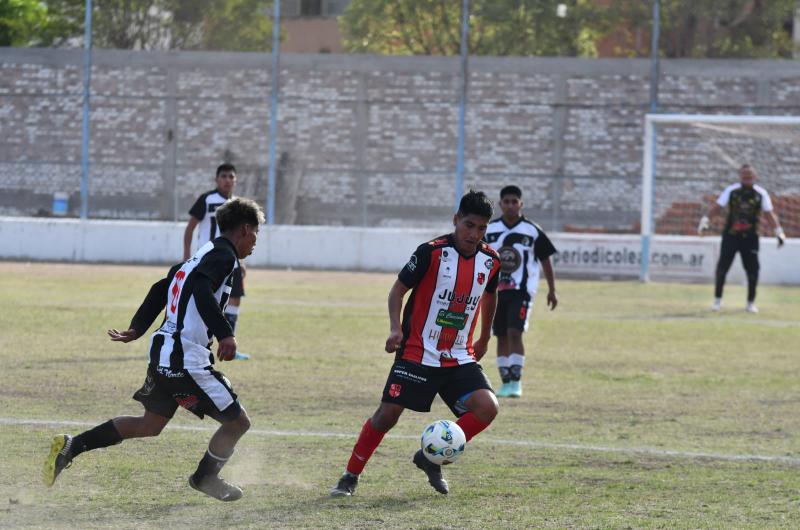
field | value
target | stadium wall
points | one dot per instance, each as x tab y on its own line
374	249
364	140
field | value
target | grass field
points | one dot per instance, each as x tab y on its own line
641	410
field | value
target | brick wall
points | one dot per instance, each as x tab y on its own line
364	139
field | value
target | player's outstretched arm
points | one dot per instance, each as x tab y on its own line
396	294
488	306
123	336
148	311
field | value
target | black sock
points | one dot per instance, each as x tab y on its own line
232	318
103	435
210	465
505	374
515	372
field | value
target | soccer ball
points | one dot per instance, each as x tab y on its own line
443	442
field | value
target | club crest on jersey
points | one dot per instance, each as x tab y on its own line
489	264
481	278
394	390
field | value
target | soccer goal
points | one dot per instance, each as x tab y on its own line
690	158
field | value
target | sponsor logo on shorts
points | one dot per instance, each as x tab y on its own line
402	374
148	386
394	390
522	312
166	372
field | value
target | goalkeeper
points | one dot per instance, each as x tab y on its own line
745	201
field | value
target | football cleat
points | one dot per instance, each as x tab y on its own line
346	486
433	471
717	305
213	486
751	308
504	390
515	389
59	459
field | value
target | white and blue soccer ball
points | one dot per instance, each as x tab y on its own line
443	442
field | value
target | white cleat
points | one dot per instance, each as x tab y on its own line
751	308
717	305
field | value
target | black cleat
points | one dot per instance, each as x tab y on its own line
346	486
213	486
433	471
59	459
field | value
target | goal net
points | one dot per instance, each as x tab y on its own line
690	159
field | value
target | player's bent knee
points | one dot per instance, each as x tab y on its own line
152	424
386	417
243	422
484	405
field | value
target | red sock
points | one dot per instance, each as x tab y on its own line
471	425
368	441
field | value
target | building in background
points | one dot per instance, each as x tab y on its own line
312	26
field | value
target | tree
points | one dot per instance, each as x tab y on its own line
20	21
689	28
231	25
709	28
497	27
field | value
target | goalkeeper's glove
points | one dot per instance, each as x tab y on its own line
703	225
780	235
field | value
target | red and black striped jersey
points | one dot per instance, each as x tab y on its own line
442	311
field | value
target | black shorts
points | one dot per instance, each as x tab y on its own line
237	290
513	310
201	391
415	385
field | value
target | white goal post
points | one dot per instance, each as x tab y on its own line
726	141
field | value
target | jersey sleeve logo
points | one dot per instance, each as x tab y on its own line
412	263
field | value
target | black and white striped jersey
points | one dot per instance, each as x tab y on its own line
203	210
521	246
195	294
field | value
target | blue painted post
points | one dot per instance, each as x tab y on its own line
462	104
87	79
273	112
648	227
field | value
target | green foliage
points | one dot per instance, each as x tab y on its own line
232	25
497	27
690	28
709	28
20	21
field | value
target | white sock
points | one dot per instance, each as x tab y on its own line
503	362
232	309
516	359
